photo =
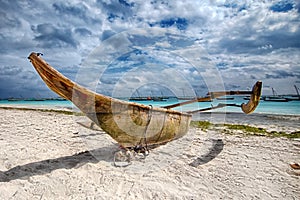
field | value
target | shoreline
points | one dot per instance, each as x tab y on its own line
270	122
65	108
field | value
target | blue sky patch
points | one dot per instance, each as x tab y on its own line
282	6
180	23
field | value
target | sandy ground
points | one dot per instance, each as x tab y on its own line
47	155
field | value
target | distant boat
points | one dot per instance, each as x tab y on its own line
33	99
291	98
192	98
140	99
248	98
225	98
294	97
158	99
60	99
275	97
186	98
149	98
14	99
55	99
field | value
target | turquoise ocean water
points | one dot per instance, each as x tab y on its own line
265	107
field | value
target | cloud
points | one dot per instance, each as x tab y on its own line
83	31
76	13
243	40
280	74
116	9
23	85
78	10
9	70
50	36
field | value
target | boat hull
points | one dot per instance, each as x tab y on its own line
130	124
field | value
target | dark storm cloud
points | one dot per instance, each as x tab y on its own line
239	45
280	74
16	81
8	6
9	70
8	21
282	39
10	45
263	43
50	36
16	71
83	31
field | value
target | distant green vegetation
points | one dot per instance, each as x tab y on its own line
251	130
203	125
247	130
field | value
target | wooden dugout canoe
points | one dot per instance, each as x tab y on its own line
131	124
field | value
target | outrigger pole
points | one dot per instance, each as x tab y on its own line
247	108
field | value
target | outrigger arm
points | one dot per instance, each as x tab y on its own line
247	108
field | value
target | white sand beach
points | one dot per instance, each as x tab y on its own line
48	155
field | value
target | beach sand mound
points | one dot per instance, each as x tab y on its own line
47	155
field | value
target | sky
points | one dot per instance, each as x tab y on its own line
126	47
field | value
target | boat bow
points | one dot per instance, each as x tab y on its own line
130	124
